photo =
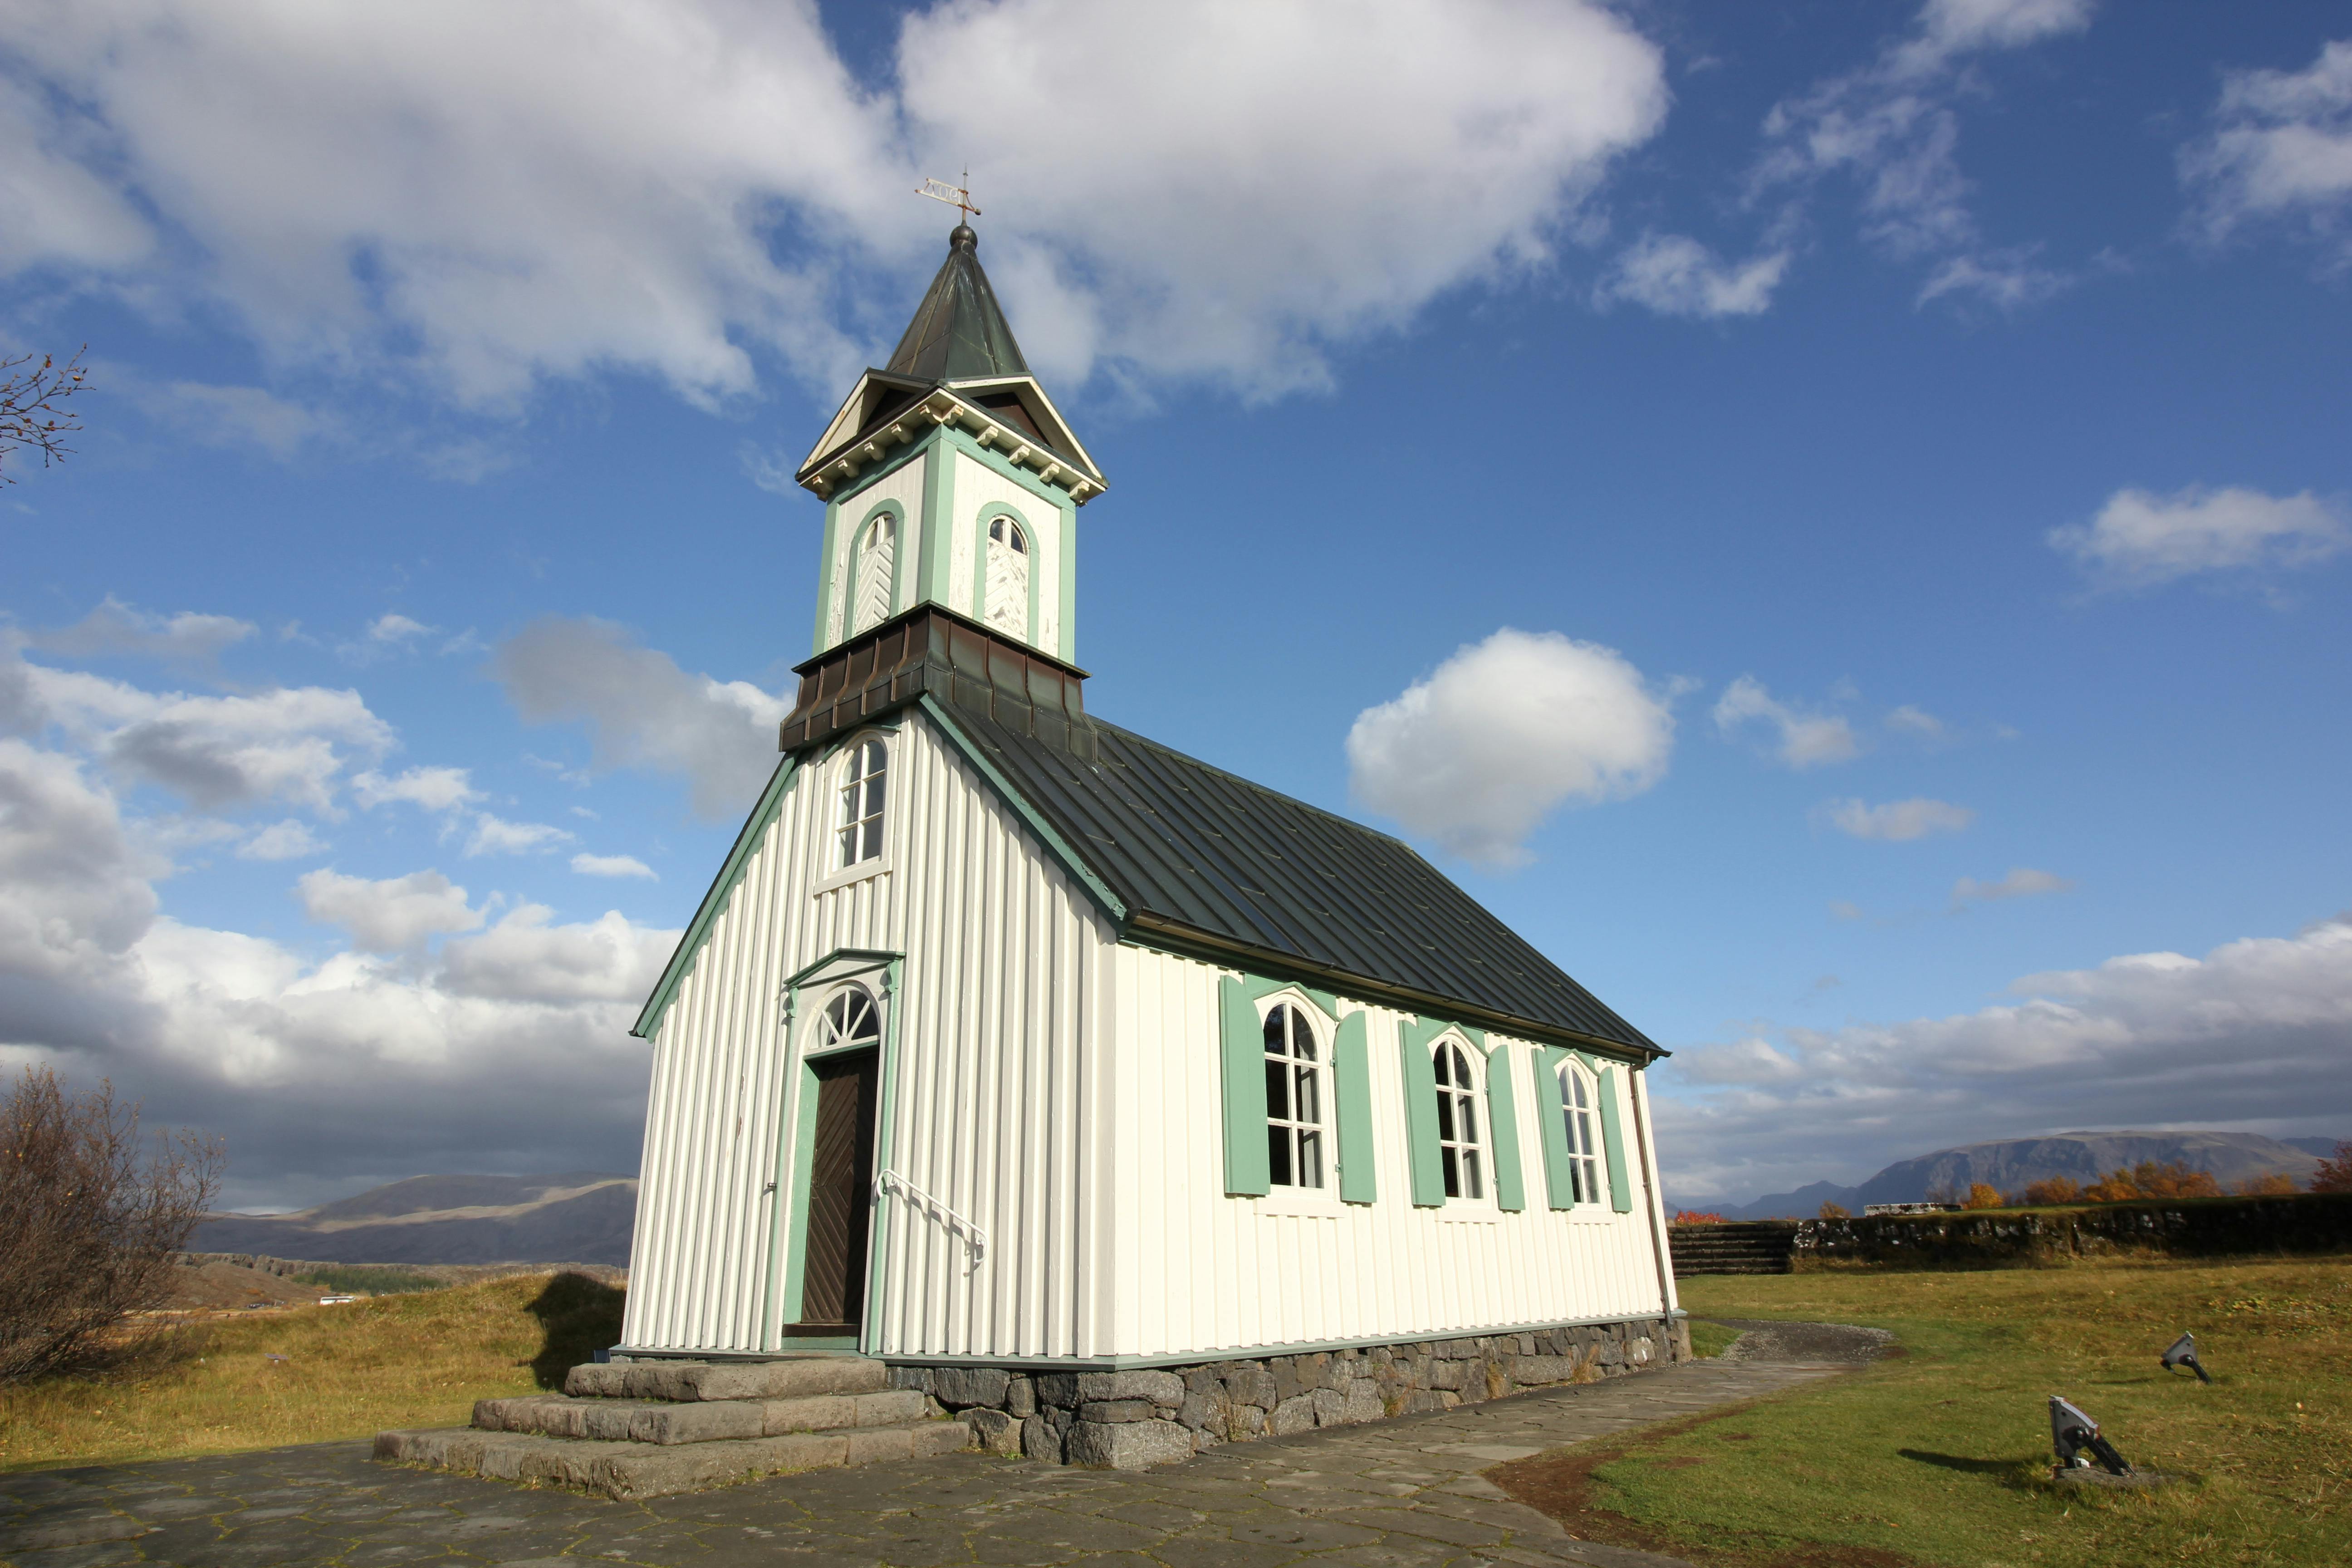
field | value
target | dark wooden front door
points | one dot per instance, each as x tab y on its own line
840	1193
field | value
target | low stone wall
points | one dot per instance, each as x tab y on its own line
2010	1238
1126	1420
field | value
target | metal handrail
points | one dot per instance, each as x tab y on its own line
974	1238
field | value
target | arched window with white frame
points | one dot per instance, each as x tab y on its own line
1578	1097
1294	1099
877	550
1459	1152
857	825
1006	577
852	1018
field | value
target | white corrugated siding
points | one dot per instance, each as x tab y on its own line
1003	962
1196	1270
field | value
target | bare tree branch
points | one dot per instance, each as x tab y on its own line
32	413
89	1230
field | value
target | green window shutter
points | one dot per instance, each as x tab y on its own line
1421	1110
1351	1073
1560	1184
1243	1053
1612	1144
1503	1124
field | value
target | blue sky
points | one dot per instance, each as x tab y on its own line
1830	521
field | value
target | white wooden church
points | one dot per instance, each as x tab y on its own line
1009	1043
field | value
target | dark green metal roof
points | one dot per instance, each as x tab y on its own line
958	332
1206	861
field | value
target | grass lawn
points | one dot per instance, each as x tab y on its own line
417	1360
1941	1456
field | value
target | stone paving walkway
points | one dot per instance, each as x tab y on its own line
1398	1494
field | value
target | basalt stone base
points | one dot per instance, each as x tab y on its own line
1144	1417
629	1470
640	1429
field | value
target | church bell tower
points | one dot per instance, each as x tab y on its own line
951	481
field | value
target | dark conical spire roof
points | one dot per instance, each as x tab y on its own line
958	332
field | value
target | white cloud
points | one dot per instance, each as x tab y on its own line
435	789
2140	539
115	627
642	711
288	840
2281	151
217	415
2022	882
1807	738
322	1074
486	196
495	836
397	914
1915	722
1676	276
525	959
397	629
1897	821
611	866
2008	281
290	744
1891	128
1501	734
2258	1029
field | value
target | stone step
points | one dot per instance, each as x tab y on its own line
792	1377
630	1470
695	1421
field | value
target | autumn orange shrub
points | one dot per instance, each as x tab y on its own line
1833	1210
2150	1180
2277	1184
2334	1176
2056	1190
1697	1216
1983	1196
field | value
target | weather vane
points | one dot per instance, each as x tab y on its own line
959	196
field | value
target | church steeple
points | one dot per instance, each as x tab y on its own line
958	333
950	479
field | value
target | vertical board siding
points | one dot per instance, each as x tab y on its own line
1198	1271
1003	958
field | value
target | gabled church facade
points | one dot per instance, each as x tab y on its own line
1119	1103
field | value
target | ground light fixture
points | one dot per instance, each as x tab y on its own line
2076	1437
2184	1353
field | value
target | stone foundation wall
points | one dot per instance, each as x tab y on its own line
1126	1420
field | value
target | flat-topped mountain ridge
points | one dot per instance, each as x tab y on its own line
2013	1163
581	1216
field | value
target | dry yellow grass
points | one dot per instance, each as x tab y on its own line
347	1372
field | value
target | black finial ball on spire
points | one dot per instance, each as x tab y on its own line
962	237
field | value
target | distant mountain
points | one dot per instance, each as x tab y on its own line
579	1218
2012	1164
2323	1147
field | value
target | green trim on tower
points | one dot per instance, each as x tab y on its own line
1066	576
1503	1124
821	639
722	888
1351	1090
939	525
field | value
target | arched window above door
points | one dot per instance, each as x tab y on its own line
852	1018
